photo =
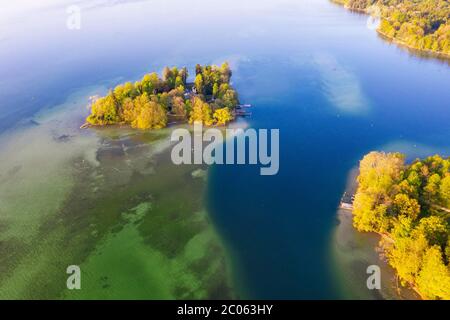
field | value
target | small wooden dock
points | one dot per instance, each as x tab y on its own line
347	201
240	111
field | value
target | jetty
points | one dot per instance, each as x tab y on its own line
240	111
346	202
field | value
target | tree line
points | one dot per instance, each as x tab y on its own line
409	204
420	24
150	102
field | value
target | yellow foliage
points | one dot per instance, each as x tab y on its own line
152	116
201	112
434	278
223	116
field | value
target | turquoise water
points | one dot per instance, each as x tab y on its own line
333	87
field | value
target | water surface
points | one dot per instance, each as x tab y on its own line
333	87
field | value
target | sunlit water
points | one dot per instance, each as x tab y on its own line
333	87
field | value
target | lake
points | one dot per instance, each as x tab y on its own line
109	199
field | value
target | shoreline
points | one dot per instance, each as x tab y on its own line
398	42
353	247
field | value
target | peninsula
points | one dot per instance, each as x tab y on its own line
408	204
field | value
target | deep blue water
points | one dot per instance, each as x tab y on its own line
333	87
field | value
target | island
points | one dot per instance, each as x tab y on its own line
154	102
408	205
418	24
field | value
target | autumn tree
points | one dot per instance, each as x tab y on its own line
223	116
198	82
104	111
403	202
201	112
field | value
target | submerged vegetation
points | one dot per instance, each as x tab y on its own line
151	102
419	24
409	205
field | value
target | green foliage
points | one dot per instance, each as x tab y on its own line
201	112
198	82
444	191
405	203
147	114
146	103
223	116
104	111
406	256
420	24
434	229
434	277
215	81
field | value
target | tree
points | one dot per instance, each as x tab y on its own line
403	205
222	116
119	93
434	229
179	107
201	112
163	100
230	99
403	226
104	111
447	251
367	215
215	91
225	72
184	75
379	171
152	116
432	187
179	82
198	69
406	256
166	74
150	83
198	82
445	191
129	111
433	280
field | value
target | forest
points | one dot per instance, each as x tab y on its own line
409	205
154	101
419	24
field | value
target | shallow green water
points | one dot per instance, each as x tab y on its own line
110	201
